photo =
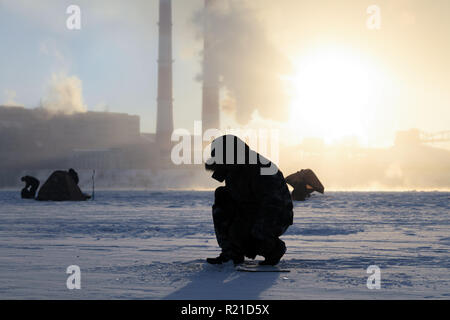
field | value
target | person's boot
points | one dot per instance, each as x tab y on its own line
273	257
222	258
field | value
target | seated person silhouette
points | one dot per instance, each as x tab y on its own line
31	186
304	183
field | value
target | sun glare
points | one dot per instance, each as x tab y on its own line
331	95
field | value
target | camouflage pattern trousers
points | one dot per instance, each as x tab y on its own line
239	230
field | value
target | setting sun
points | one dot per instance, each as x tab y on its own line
332	90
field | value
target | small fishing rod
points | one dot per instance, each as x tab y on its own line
93	184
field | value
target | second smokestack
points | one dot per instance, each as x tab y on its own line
210	103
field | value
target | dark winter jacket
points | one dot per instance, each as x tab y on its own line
265	196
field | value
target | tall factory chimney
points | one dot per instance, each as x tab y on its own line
164	125
210	103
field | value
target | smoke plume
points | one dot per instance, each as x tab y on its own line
250	67
11	99
64	95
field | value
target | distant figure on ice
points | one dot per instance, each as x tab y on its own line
304	183
62	186
253	209
74	175
31	186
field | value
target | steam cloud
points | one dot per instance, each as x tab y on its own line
11	99
64	95
249	65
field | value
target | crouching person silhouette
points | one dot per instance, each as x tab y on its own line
253	209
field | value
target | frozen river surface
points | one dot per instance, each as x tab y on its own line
152	245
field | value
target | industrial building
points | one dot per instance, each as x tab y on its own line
39	139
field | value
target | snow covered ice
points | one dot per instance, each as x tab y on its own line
152	245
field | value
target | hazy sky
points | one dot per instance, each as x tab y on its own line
340	76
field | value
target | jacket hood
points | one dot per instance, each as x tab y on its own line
228	153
